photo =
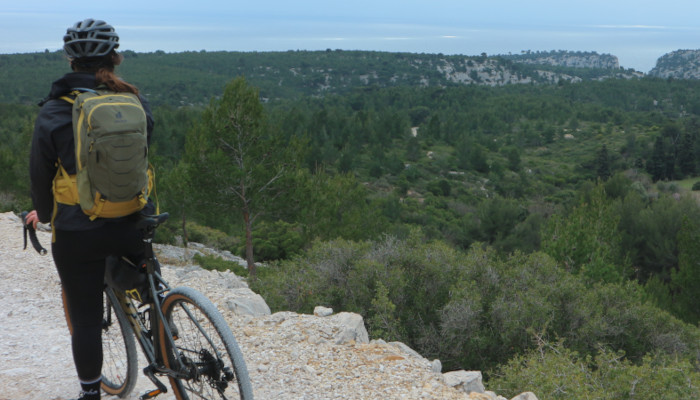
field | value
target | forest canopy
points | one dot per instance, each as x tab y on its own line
562	215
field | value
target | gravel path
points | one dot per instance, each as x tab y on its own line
289	356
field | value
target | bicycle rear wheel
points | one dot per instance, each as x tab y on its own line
120	362
205	345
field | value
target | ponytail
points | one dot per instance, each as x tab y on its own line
107	77
103	67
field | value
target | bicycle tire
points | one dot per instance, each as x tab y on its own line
120	358
119	367
203	342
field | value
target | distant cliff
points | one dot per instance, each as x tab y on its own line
193	78
679	64
573	59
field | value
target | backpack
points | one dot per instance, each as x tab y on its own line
111	151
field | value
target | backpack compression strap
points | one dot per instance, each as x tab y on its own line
65	185
65	191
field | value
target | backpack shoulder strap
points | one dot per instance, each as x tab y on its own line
81	90
75	92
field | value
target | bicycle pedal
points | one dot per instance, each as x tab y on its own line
149	371
151	394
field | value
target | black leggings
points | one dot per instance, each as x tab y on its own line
80	261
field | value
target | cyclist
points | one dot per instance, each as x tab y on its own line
80	245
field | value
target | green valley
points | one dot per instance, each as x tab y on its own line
496	215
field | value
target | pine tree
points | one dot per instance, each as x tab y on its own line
656	166
686	158
603	163
237	162
685	282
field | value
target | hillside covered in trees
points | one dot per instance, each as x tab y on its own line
475	208
193	78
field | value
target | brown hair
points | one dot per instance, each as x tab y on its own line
103	67
107	77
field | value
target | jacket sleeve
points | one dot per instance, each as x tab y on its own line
43	158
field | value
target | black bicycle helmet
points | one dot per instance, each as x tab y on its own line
90	38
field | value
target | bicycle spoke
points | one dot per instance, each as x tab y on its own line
119	366
206	335
206	349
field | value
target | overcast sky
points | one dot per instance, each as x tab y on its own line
637	32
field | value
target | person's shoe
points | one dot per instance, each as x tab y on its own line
89	395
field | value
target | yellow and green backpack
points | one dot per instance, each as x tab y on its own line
113	177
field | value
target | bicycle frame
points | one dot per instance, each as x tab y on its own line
153	331
149	341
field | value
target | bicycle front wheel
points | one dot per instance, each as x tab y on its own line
205	349
120	362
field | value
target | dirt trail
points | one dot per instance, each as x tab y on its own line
289	356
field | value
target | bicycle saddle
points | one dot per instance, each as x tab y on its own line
150	221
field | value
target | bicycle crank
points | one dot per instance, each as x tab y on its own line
160	387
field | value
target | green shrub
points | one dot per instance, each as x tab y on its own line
553	371
521	293
274	241
696	186
448	305
587	240
13	202
213	263
667	187
210	237
288	285
166	235
440	187
550	373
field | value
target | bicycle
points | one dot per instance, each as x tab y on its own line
180	332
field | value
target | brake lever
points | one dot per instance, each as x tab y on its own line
28	228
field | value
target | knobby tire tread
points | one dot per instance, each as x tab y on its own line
110	383
195	300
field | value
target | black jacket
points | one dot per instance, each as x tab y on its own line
53	139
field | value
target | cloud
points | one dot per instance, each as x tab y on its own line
631	27
174	28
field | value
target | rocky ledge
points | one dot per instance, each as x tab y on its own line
289	356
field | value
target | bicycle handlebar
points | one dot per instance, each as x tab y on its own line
28	228
144	223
